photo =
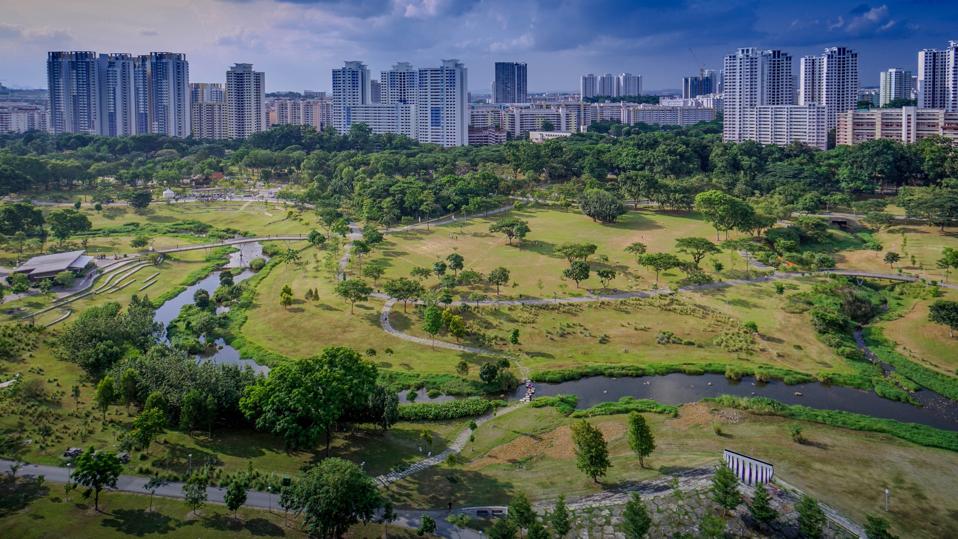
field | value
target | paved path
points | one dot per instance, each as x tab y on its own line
238	241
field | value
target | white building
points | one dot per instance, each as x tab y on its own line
907	125
938	78
607	86
538	137
442	105
707	101
587	86
628	84
245	101
22	117
117	96
382	118
785	124
72	79
399	84
894	84
831	80
351	87
519	121
754	78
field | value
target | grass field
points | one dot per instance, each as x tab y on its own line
306	327
925	243
531	451
53	514
922	341
535	266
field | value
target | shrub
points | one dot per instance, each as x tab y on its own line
565	404
257	264
626	405
430	411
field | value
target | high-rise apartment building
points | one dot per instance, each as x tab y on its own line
442	105
117	97
162	94
72	79
830	79
351	86
245	101
894	84
399	84
628	84
938	78
606	86
753	78
375	91
705	83
207	110
510	85
587	86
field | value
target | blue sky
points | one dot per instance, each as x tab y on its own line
297	42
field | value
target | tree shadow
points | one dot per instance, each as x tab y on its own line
139	522
17	493
437	487
263	527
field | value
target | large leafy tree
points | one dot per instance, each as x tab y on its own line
944	312
403	289
96	470
103	334
724	211
511	227
659	262
591	451
697	248
601	205
578	271
353	291
67	222
302	400
333	496
641	439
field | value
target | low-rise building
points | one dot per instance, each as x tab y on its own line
907	125
18	117
785	124
486	136
539	137
47	266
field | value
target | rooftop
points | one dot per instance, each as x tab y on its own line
53	263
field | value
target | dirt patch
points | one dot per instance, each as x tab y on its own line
700	413
555	444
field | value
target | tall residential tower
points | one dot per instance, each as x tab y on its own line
245	101
511	83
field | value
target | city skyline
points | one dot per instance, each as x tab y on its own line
661	41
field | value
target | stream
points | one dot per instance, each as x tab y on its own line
674	389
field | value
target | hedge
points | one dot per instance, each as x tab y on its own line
455	409
626	405
912	432
658	369
565	404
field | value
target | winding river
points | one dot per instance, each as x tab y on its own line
672	389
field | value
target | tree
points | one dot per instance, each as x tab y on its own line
635	519
427	524
605	276
420	273
514	336
147	426
488	372
226	276
878	219
235	495
499	277
659	262
892	258
96	470
641	439
193	410
712	527
333	496
536	530
105	394
129	387
201	298
559	518
439	268
457	327
811	518
432	321
286	296
360	249
723	211
725	488
67	222
944	312
316	238
697	248
636	249
302	400
601	205
761	507
456	262
194	491
139	200
373	271
877	528
578	271
520	511
512	227
403	289
153	485
502	528
576	251
353	291
591	451
139	242
948	260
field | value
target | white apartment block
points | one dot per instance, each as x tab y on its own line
245	101
606	86
399	84
831	80
519	121
632	113
754	78
351	87
938	78
785	124
894	84
486	116
628	84
381	118
442	105
707	101
538	137
22	117
907	125
588	86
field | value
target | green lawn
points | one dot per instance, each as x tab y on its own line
531	451
925	243
536	268
922	341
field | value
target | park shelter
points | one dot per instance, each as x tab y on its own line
47	266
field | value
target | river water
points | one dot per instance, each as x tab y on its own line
672	389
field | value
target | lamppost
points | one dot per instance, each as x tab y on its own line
269	490
887	495
190	468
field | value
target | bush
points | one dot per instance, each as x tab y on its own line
627	405
430	411
64	278
565	404
257	264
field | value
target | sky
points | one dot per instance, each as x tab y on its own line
298	42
